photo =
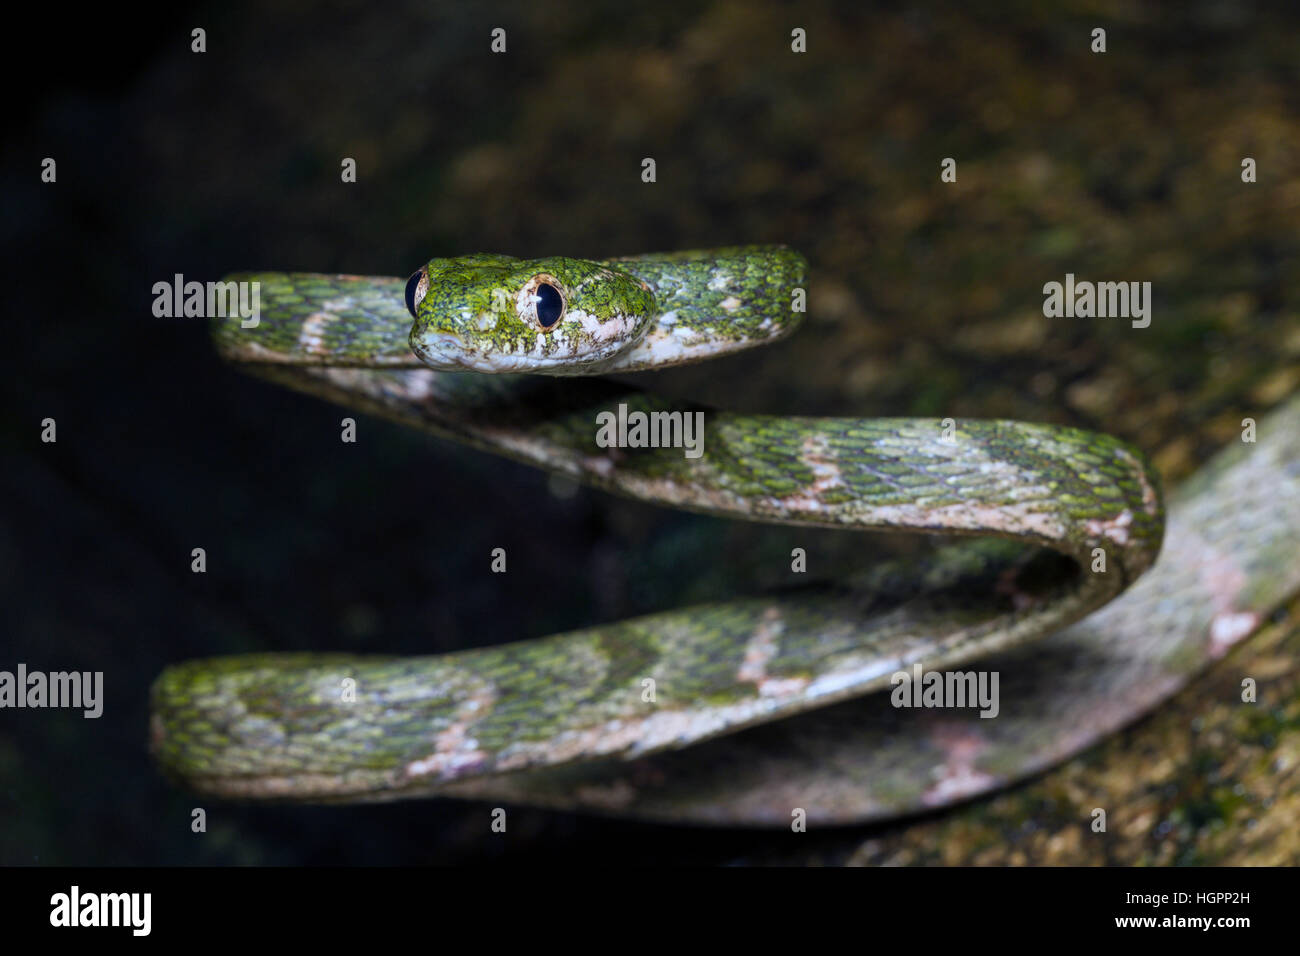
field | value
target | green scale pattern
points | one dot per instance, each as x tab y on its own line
520	719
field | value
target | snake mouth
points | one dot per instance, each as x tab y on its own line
442	350
447	352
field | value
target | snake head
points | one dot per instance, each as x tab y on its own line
493	313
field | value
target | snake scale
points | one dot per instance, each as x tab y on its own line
749	710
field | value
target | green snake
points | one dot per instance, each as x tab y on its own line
750	710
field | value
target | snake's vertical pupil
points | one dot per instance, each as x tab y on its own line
550	305
412	284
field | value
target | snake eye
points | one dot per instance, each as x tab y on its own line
416	287
550	305
540	301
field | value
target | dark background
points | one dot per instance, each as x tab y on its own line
925	299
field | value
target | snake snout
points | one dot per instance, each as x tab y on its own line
439	350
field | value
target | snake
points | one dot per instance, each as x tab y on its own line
1043	567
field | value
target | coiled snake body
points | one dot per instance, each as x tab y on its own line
619	717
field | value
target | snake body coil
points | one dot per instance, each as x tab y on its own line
1063	519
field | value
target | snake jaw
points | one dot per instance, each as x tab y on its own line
439	350
547	354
